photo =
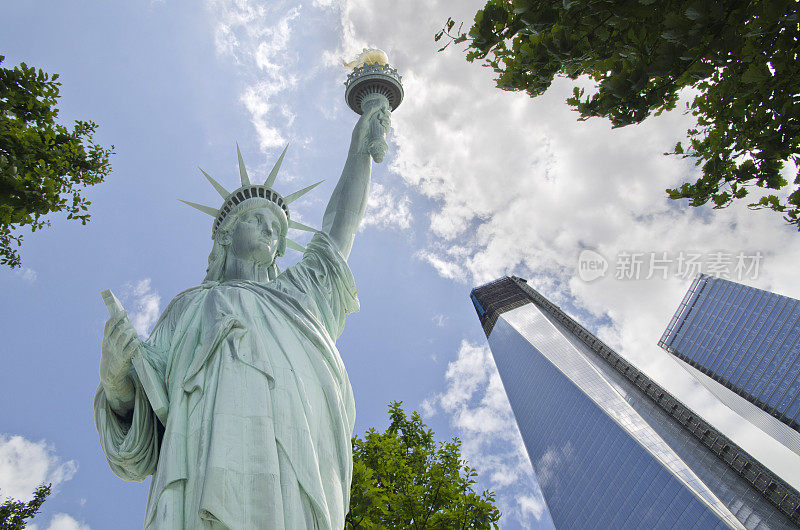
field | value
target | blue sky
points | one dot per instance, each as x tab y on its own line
478	183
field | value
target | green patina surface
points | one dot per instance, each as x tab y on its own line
238	404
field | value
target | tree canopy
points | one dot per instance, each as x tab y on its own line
741	59
14	514
43	165
403	478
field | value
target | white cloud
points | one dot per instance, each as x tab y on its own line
491	442
256	99
27	274
224	39
531	506
62	521
428	406
547	465
145	305
258	37
446	268
439	320
25	465
386	208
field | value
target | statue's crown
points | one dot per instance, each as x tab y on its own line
248	193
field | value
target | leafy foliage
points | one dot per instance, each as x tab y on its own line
43	165
741	59
402	478
13	514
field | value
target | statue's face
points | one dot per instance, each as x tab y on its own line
256	236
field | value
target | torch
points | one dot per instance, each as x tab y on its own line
373	82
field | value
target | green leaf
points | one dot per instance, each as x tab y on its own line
755	73
403	478
692	13
45	163
14	514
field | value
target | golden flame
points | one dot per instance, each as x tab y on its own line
368	56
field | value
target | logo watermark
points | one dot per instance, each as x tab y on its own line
591	265
632	265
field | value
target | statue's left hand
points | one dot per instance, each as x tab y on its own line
120	344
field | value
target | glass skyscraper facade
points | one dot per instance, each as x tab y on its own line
610	447
744	338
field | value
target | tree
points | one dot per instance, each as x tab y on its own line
43	165
402	478
741	59
13	514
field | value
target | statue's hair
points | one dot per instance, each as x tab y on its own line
218	257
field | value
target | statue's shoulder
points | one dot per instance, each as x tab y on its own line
201	292
189	294
182	300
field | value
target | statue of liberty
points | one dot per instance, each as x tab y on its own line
238	404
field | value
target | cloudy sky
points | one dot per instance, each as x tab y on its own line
479	183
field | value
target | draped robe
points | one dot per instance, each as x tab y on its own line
243	411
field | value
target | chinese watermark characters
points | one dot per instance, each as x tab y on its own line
631	265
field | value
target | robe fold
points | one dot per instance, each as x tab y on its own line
243	411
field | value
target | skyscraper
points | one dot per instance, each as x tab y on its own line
610	447
746	339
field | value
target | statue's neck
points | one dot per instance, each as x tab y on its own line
238	269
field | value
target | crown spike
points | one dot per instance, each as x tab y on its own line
242	170
213	212
301	226
296	195
294	246
274	173
217	186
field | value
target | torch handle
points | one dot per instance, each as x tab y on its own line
376	143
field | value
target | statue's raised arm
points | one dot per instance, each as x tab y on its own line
349	200
373	91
